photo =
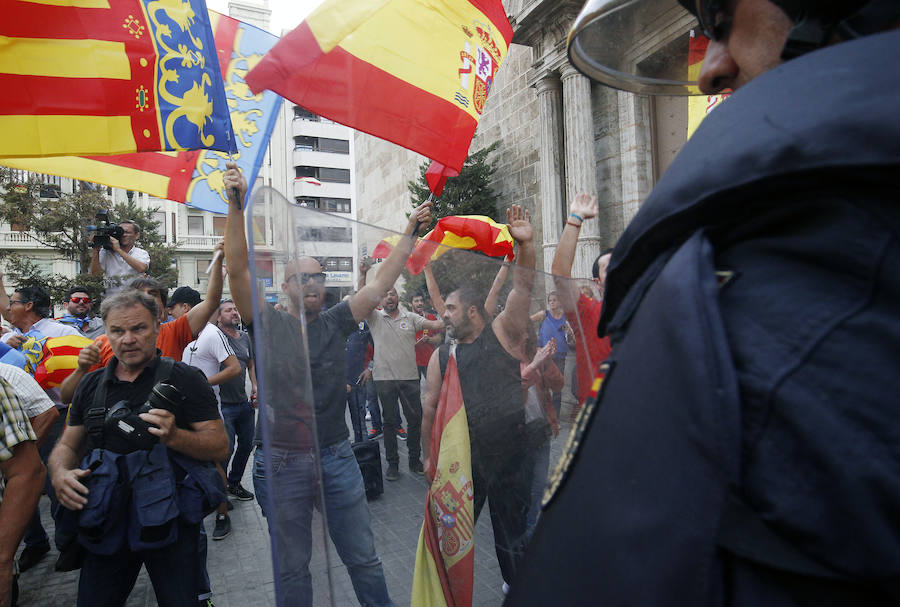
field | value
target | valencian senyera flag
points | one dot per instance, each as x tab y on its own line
414	72
445	557
472	232
699	105
194	177
109	77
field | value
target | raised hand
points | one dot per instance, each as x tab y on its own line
519	221
585	206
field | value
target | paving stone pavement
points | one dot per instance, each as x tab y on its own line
240	566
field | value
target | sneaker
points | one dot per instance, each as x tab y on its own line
223	527
374	433
239	492
32	555
393	472
415	466
401	433
206	603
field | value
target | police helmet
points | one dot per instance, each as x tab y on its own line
643	46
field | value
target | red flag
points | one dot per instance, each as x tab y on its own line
472	232
437	175
60	358
414	72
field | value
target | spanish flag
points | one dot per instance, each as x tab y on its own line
445	558
109	77
414	72
436	175
60	358
473	232
194	177
699	105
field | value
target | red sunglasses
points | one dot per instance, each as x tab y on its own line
80	299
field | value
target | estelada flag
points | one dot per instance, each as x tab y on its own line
472	232
194	177
445	557
699	105
60	358
414	72
436	175
101	77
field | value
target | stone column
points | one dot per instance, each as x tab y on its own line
551	179
636	150
581	164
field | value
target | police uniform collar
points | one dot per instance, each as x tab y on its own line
805	123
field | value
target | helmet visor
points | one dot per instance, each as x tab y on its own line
641	46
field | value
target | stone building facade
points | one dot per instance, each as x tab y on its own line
560	134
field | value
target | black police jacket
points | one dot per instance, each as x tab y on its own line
744	448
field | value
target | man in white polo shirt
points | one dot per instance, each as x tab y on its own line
123	262
397	377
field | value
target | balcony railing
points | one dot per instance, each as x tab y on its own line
18	240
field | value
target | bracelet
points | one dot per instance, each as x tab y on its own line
577	225
578	217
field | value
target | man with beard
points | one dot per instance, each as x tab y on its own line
290	451
426	340
397	377
78	313
488	355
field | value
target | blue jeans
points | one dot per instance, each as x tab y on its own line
240	420
295	491
372	405
108	580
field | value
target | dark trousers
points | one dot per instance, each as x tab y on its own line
505	482
35	535
356	402
406	392
106	581
240	420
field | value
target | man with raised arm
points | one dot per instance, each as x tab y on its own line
488	353
283	397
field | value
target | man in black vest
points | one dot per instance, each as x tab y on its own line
743	446
115	553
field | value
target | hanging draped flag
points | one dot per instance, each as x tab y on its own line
194	177
445	558
100	77
436	175
699	105
60	358
473	232
414	72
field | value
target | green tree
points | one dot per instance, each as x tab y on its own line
468	194
60	224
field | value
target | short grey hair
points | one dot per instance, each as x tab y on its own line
128	298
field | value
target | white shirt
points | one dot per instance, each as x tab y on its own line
115	267
207	353
33	398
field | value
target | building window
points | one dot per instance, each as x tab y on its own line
305	171
334	175
259	229
306	144
202	264
265	272
331	205
195	225
160	219
338	264
334	146
219	226
304	114
325	234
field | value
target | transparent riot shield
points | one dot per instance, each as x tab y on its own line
415	400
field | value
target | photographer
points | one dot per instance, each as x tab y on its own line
121	260
151	425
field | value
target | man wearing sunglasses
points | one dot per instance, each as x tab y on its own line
78	313
743	447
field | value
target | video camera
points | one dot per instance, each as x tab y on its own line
126	422
103	230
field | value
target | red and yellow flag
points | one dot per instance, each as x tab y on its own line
472	232
436	175
445	558
109	77
414	72
60	358
699	105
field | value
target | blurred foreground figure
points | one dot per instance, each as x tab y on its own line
743	448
